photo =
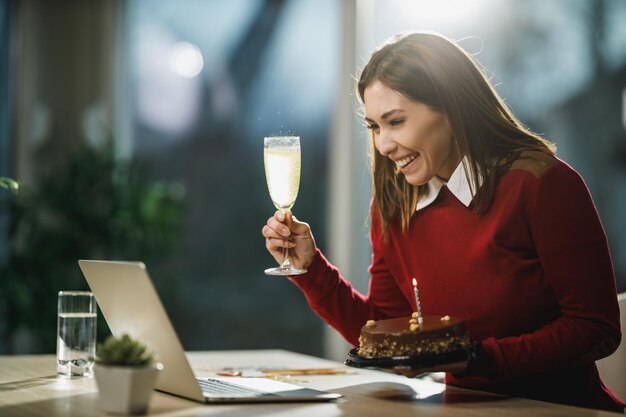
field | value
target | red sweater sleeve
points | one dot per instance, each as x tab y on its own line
572	248
343	307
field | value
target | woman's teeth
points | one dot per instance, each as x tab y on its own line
406	161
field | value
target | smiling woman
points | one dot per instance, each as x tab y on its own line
478	212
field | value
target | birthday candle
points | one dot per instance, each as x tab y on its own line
420	319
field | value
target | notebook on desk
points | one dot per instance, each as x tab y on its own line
130	304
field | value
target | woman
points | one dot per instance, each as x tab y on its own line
496	230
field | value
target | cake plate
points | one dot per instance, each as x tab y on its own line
413	362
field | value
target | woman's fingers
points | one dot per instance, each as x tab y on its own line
281	231
280	228
276	240
298	227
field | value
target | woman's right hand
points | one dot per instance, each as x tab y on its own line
285	231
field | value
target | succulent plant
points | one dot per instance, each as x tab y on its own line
123	351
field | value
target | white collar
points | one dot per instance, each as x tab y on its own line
458	184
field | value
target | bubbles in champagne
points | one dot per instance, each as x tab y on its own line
282	169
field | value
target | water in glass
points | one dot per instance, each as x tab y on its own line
76	343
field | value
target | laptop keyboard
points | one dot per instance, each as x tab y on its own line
218	387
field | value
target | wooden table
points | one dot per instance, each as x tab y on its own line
30	387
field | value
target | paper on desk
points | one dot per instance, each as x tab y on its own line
264	372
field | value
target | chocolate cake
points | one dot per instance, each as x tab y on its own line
404	336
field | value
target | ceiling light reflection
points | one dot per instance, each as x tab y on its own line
186	60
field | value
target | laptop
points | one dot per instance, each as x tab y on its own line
130	304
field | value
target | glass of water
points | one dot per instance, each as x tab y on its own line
76	333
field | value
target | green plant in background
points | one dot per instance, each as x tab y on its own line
92	207
9	184
124	351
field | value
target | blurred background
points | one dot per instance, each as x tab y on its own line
136	127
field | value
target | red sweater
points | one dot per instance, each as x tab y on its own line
532	278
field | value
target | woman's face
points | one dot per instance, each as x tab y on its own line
415	137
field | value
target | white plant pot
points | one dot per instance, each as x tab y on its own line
125	389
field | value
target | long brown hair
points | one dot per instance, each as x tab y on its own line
433	70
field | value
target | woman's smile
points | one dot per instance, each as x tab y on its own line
405	164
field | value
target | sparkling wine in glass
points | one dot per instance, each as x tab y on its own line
282	172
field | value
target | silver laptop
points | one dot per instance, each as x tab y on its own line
130	304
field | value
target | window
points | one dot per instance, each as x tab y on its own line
208	81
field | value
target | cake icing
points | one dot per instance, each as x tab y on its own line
405	337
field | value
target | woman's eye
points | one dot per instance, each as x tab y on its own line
396	122
372	126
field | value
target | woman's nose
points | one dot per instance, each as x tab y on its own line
384	143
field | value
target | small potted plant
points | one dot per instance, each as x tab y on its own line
125	372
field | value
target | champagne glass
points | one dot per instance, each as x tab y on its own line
282	172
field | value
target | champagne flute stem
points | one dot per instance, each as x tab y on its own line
286	263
